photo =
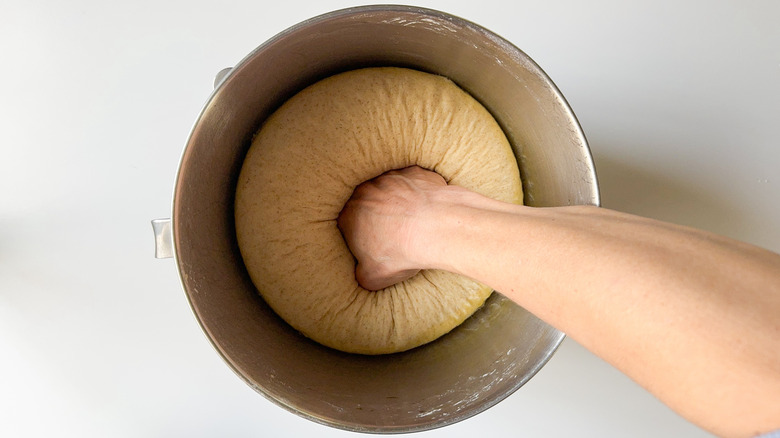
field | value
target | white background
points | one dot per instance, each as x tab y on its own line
680	101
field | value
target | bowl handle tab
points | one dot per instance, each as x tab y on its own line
163	238
221	76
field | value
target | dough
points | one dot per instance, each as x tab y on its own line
302	167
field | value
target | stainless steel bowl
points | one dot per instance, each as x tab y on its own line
463	373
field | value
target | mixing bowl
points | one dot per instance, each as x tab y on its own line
459	375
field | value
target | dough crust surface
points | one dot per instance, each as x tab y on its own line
302	167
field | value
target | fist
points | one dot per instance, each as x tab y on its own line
380	224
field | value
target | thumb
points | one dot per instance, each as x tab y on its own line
379	276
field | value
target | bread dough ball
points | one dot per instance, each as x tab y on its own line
304	164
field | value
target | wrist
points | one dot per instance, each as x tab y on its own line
453	220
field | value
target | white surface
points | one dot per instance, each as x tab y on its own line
680	101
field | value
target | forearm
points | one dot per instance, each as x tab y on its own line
614	283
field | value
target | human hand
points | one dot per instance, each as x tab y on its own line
380	224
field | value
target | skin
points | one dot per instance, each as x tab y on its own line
691	316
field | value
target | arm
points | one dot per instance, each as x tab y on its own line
692	317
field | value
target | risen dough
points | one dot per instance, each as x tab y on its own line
302	167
